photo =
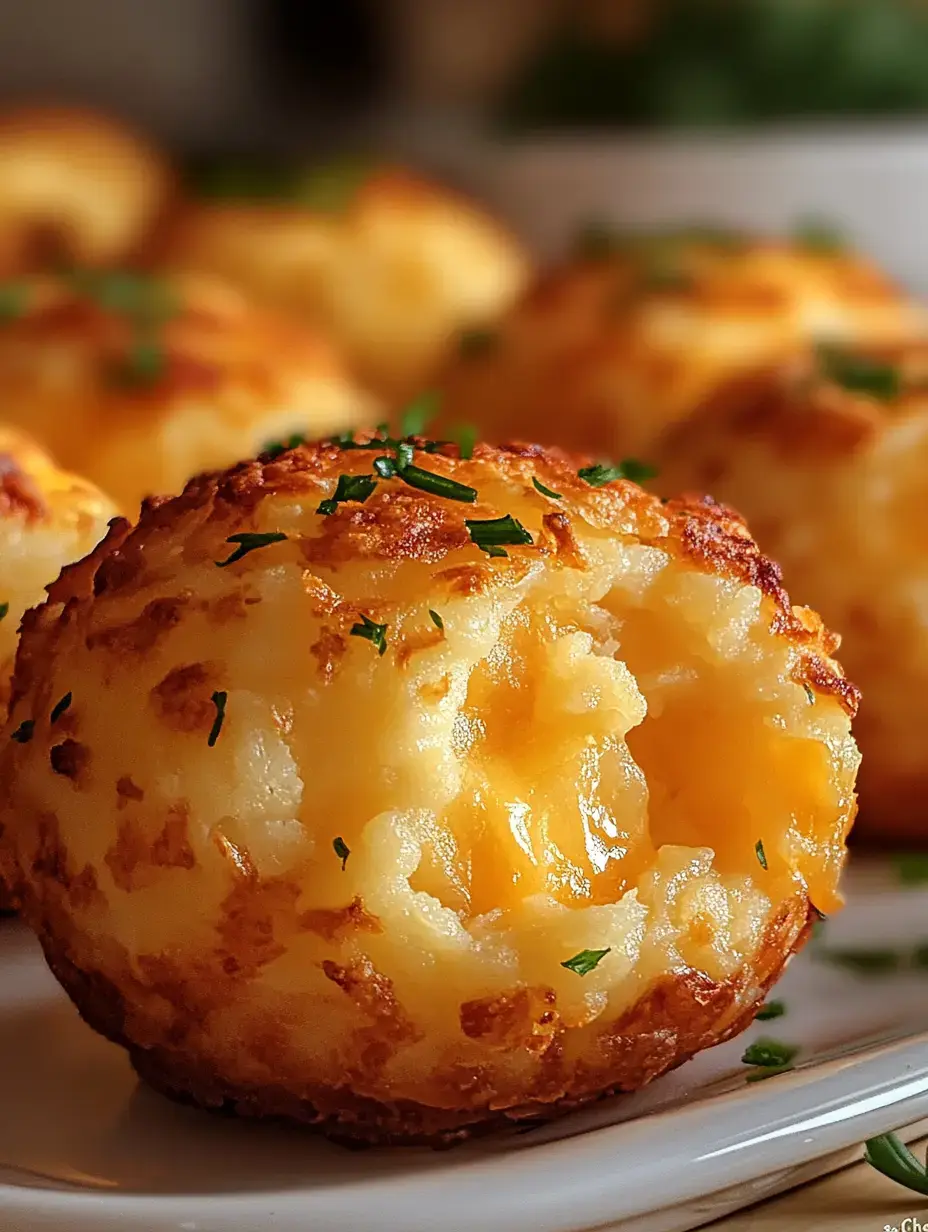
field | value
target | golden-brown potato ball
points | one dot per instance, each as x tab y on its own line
827	457
48	518
76	188
608	350
393	265
407	805
139	381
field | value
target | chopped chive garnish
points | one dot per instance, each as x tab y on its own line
865	961
273	449
437	620
490	534
540	487
770	1053
377	634
405	452
912	867
14	299
890	1156
60	707
438	485
348	488
760	853
629	468
143	363
770	1010
24	732
769	1071
465	437
385	467
342	850
4	610
219	701
860	374
249	541
586	961
474	343
419	414
817	235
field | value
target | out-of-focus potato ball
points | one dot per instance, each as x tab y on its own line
827	457
48	518
393	265
76	188
405	794
607	351
139	381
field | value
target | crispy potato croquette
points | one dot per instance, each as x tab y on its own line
826	456
76	188
48	518
392	265
606	352
409	809
139	381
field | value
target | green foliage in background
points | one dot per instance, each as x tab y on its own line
709	63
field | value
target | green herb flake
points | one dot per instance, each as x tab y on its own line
770	1053
586	961
890	1156
860	374
349	488
419	414
437	485
249	541
4	610
342	850
477	343
629	468
14	301
809	694
60	707
219	701
819	236
865	961
762	1072
770	1010
760	853
24	732
540	487
491	533
385	467
144	363
437	620
912	867
376	634
465	437
273	449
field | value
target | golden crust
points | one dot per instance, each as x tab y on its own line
76	188
605	353
679	1016
394	269
262	847
139	408
831	479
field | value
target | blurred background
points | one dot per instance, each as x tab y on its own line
743	111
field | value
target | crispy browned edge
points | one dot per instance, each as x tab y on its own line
679	1016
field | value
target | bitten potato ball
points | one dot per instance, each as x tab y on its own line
405	794
827	457
393	265
627	338
76	188
48	518
139	381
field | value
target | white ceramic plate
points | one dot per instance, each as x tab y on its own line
84	1148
